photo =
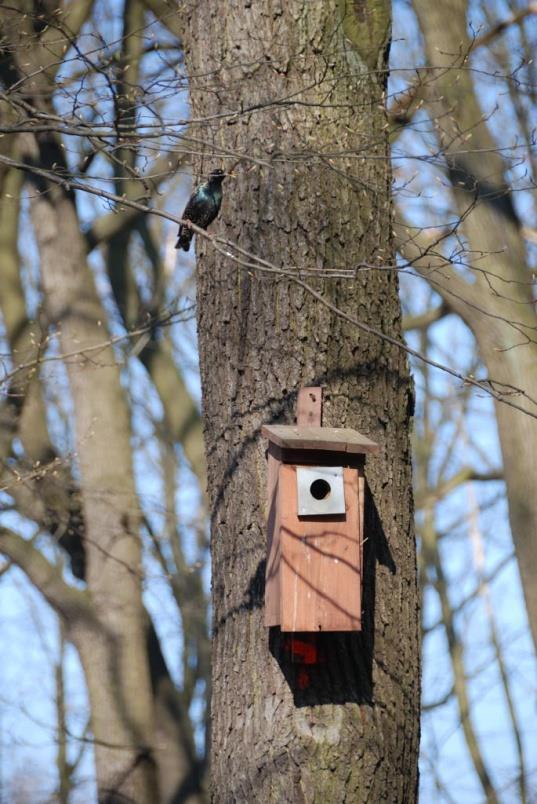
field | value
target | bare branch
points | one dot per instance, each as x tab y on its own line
495	388
465	475
515	19
424	320
71	603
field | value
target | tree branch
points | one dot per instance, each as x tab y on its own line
464	475
424	320
500	27
65	599
499	390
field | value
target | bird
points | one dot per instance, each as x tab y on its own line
202	208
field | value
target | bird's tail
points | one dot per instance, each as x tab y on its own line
184	238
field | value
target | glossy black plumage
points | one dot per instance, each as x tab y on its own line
202	208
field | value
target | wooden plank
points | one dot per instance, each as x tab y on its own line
272	571
321	560
334	439
319	457
309	407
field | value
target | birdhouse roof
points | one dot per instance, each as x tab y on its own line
332	439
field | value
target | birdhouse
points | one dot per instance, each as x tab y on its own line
315	527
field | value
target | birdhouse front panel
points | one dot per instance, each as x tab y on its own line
320	559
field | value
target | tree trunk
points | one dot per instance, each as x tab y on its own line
298	90
113	651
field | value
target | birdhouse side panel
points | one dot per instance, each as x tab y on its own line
272	572
321	559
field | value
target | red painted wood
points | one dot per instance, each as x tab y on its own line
314	564
309	412
321	560
272	573
309	407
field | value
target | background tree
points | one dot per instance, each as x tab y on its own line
479	266
141	734
463	147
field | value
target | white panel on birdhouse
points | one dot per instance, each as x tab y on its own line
320	490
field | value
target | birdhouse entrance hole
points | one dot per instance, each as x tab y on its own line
320	489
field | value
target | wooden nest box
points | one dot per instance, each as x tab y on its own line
316	491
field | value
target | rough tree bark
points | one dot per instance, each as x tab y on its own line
301	87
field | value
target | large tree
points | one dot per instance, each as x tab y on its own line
295	93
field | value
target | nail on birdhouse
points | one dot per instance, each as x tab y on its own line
316	489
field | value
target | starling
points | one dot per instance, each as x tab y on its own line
202	208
